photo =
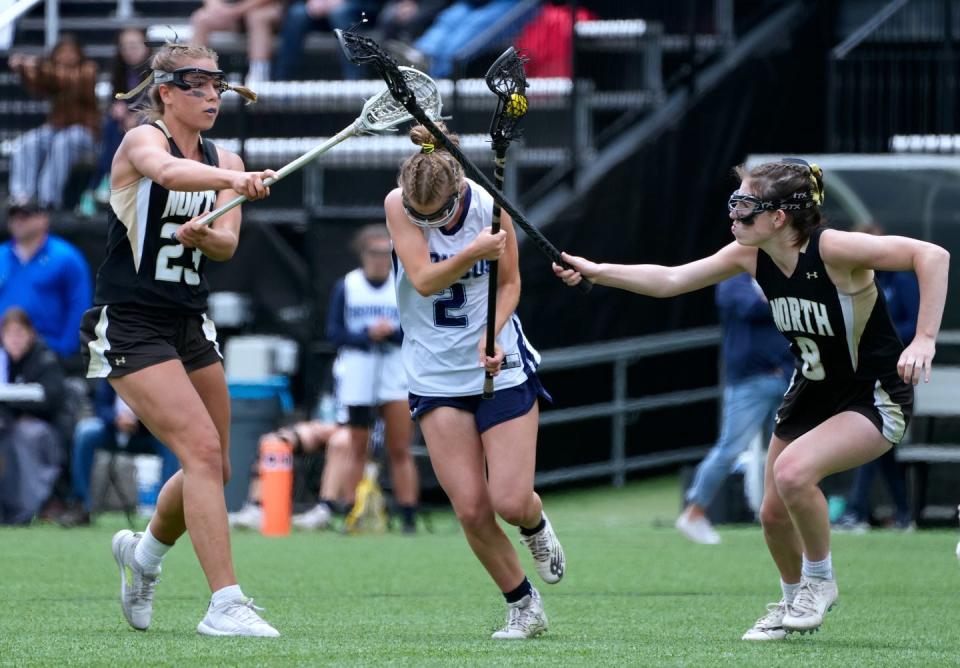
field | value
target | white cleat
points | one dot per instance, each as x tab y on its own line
136	595
547	553
248	517
525	619
770	626
699	530
235	618
811	603
317	517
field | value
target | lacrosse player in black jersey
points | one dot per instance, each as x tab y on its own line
851	395
149	333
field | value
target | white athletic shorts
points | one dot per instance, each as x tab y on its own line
370	378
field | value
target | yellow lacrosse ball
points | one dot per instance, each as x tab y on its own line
517	106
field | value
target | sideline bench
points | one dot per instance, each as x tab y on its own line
938	399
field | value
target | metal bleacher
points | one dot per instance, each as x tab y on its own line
566	115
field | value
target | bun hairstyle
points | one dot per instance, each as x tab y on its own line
432	173
170	57
797	185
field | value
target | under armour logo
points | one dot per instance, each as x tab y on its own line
811	274
119	361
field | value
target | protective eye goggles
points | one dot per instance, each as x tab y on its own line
186	78
746	207
438	218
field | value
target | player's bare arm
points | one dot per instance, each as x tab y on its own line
430	277
145	151
853	252
656	280
219	240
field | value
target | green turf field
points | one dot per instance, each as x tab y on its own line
635	593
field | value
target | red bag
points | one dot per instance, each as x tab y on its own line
547	41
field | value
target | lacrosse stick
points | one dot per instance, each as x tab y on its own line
361	50
381	113
508	82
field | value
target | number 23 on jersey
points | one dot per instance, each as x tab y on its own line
174	273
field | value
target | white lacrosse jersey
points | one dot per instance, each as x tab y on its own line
368	375
441	332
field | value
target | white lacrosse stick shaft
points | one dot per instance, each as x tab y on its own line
286	170
378	115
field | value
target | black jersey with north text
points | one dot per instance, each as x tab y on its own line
144	265
833	335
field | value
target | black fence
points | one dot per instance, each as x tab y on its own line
895	73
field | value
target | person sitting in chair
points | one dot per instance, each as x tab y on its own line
115	428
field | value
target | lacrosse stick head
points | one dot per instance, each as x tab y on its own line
361	50
508	81
383	112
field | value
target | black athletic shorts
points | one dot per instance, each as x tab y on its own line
358	416
887	402
122	338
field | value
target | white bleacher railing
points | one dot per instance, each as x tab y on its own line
925	143
338	95
621	28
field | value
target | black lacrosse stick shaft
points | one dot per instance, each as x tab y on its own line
361	50
492	276
507	80
474	173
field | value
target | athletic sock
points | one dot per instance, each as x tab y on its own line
150	552
819	570
522	590
535	530
408	514
225	595
328	504
789	590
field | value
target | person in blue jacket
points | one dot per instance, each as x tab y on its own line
113	426
757	365
46	276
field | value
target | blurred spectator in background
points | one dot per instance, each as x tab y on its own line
42	159
757	365
454	28
364	323
31	433
548	40
307	437
46	276
402	21
305	15
902	293
126	72
259	17
113	427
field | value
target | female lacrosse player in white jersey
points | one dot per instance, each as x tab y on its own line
364	325
483	451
